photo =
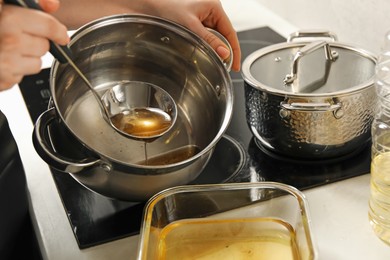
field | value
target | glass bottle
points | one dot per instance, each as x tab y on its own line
379	203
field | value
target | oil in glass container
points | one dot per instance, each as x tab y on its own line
235	239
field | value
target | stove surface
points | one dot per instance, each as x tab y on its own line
96	219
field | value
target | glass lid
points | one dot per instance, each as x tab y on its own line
313	68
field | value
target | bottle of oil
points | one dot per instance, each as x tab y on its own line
379	204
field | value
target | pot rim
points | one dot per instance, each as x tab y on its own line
249	61
180	30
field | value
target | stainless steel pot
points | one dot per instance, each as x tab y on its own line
312	97
139	48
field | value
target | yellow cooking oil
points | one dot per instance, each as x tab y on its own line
207	239
379	205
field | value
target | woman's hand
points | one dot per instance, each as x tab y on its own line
197	15
24	35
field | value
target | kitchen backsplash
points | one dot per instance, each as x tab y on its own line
359	22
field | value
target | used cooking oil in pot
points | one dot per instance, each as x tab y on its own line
145	123
148	152
171	157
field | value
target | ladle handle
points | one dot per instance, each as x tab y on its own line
58	51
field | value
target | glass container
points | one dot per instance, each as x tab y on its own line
264	220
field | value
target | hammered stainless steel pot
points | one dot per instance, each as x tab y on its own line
139	48
311	97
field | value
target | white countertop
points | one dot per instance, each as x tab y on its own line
338	211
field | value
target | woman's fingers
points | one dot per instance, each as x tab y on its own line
25	36
49	6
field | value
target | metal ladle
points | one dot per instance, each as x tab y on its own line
139	110
135	109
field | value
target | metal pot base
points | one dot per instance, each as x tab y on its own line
320	153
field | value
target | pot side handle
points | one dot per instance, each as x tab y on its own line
48	153
314	34
335	108
229	61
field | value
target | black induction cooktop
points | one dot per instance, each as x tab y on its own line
96	219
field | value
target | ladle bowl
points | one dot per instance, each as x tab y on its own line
139	110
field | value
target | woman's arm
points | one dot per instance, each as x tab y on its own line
24	33
196	15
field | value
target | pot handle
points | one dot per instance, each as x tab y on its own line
312	34
48	153
305	50
229	61
336	108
